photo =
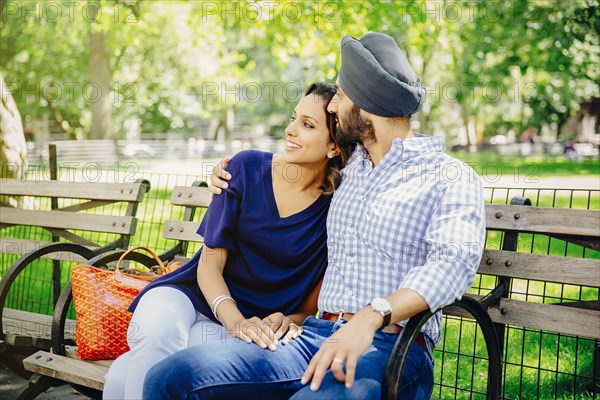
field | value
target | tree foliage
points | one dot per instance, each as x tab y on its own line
489	66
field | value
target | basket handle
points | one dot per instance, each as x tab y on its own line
147	250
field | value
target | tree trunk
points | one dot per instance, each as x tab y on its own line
221	130
229	123
100	76
469	125
13	148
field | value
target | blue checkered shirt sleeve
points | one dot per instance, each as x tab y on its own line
454	242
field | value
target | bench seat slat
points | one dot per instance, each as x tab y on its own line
74	190
71	352
32	342
68	220
539	267
20	324
182	230
544	220
68	369
190	196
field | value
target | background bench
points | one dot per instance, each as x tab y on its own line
62	223
509	303
62	365
104	152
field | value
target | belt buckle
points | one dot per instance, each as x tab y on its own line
341	315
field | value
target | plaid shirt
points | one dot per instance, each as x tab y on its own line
415	221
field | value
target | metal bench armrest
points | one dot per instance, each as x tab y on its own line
393	374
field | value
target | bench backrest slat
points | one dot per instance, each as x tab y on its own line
548	317
194	199
182	230
539	267
543	220
191	196
569	314
73	190
68	220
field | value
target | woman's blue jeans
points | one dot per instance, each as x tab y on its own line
237	370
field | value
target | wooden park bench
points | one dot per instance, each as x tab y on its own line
505	307
60	365
493	312
65	222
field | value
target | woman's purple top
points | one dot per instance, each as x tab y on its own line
273	263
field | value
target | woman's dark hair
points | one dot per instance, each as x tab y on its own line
333	177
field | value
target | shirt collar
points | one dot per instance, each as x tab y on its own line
408	148
360	154
403	149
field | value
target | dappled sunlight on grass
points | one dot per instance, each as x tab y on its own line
488	162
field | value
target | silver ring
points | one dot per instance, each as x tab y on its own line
338	361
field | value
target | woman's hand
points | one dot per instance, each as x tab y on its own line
283	325
255	330
219	176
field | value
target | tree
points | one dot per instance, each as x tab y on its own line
100	75
489	67
13	149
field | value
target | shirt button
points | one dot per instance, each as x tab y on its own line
349	293
352	259
351	230
361	198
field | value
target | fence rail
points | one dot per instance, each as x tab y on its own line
107	152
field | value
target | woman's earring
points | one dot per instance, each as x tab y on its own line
329	155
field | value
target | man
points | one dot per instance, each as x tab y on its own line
405	233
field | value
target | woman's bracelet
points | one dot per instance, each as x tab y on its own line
217	302
218	298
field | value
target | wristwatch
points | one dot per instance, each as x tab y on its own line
383	307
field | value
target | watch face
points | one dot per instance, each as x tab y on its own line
381	305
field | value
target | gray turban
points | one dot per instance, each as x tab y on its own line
377	77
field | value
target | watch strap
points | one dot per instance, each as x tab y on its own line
387	318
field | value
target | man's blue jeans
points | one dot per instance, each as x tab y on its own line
237	370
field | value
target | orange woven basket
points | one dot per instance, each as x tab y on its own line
101	298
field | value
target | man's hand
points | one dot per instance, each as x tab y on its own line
283	325
219	176
343	347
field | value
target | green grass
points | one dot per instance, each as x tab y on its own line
537	365
492	163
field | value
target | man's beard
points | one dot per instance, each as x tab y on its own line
355	129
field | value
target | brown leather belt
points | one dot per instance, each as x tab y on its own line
393	328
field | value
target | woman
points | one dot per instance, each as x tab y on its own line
258	275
